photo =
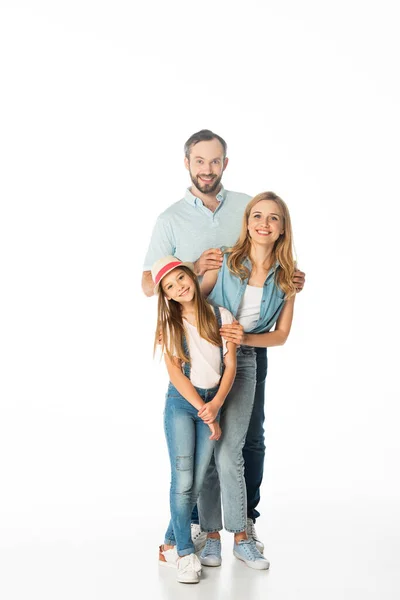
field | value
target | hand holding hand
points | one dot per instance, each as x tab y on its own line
210	259
208	412
233	333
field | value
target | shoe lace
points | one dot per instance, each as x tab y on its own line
187	563
212	547
250	549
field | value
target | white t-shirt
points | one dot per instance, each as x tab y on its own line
205	358
249	308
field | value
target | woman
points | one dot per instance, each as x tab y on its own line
255	283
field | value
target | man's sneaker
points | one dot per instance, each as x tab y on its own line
211	553
252	535
188	569
199	537
167	558
246	550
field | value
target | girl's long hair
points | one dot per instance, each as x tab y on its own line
282	250
170	326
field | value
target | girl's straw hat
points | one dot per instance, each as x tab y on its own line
163	266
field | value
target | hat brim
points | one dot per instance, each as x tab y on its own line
189	265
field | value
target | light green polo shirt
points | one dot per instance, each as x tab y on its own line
187	228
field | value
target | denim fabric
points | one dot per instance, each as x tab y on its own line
229	290
254	447
190	451
228	453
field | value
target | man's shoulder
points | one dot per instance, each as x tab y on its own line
238	196
172	210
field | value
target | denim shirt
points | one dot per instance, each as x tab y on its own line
229	290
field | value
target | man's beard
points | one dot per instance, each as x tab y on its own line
206	188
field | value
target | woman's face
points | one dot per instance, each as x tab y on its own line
178	286
265	222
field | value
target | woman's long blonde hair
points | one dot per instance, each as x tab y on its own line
282	250
170	324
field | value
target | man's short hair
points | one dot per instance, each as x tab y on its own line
205	135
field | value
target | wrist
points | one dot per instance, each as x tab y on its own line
217	401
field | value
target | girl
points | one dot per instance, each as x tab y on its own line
201	369
255	283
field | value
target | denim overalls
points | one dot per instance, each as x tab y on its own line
190	451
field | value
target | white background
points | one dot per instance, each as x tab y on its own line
97	100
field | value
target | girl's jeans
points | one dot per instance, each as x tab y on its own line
190	451
235	417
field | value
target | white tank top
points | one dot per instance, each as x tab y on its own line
249	308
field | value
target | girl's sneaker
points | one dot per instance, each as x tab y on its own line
211	554
167	558
246	550
188	569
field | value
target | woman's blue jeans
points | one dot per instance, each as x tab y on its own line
190	451
228	453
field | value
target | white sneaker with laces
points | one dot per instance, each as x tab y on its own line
188	569
252	535
199	537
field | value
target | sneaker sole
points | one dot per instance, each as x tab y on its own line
181	580
259	565
211	562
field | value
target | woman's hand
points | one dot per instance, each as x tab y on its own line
215	430
209	412
233	333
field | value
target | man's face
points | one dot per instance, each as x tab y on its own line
206	165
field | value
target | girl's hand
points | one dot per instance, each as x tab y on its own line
215	430
233	333
208	412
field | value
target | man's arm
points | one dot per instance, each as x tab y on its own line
209	259
147	284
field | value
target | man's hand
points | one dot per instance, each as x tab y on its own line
210	259
299	279
208	412
233	333
215	431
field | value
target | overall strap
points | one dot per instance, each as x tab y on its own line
186	365
221	349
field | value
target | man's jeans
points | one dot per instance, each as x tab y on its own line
235	417
190	451
254	447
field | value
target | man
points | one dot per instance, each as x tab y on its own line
194	229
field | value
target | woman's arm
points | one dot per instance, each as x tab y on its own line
234	333
182	383
210	410
208	281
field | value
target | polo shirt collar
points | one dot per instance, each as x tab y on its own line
194	201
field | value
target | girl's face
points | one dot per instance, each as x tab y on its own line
178	286
265	222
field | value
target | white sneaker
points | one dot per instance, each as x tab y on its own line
199	537
167	558
188	569
252	535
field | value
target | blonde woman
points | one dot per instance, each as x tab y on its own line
201	368
255	283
